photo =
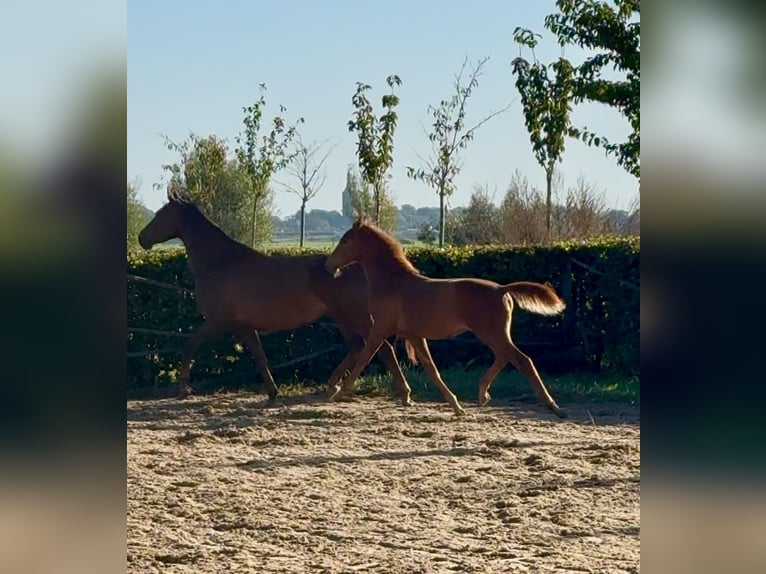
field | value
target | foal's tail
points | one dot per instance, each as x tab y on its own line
535	297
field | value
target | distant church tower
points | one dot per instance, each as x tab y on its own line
347	208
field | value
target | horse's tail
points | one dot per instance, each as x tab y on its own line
411	355
535	297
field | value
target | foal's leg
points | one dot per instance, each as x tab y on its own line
371	347
253	342
207	330
388	356
527	368
489	376
355	346
424	355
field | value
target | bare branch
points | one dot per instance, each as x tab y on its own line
306	170
470	131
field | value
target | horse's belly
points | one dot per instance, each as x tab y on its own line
279	315
427	325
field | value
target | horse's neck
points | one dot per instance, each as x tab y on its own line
205	242
382	268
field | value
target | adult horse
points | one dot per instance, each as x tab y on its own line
406	303
239	290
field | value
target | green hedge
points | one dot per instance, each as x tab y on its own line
599	330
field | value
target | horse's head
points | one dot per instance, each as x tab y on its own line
166	223
349	249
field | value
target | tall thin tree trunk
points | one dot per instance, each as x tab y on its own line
442	217
303	221
548	206
255	216
376	191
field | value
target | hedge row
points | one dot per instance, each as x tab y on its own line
600	329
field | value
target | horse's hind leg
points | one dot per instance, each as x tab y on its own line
388	356
253	342
527	368
421	349
488	377
207	330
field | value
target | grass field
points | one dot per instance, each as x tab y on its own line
508	387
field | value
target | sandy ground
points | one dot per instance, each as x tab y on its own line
219	484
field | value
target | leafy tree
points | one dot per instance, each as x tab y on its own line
427	233
546	102
358	199
449	136
375	143
136	213
307	172
260	157
207	175
614	33
479	222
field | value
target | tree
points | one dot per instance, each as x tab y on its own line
358	199
307	171
136	213
522	213
583	213
546	102
427	233
206	175
260	157
614	33
449	137
375	143
479	222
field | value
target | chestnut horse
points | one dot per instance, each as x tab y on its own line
239	290
406	303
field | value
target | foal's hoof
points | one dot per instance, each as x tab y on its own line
407	402
331	392
484	400
184	391
558	411
459	411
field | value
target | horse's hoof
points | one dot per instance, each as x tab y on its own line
184	392
459	412
559	412
407	402
331	393
485	399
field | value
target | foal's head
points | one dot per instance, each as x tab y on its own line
350	248
166	223
363	239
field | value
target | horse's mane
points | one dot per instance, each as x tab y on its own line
388	243
199	220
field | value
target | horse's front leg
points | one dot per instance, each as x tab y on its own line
207	330
373	343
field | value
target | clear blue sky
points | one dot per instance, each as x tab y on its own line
193	65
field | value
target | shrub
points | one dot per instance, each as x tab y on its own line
599	330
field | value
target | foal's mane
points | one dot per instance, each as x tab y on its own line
387	243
